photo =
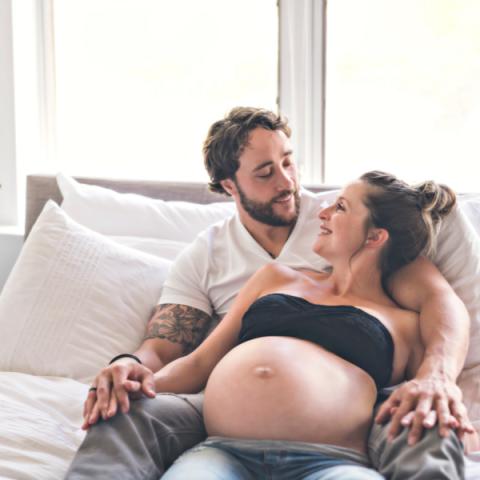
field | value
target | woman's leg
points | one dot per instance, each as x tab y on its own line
345	472
205	462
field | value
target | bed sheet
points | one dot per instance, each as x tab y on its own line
40	420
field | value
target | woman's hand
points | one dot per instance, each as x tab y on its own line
420	403
113	388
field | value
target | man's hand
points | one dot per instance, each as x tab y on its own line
114	386
419	403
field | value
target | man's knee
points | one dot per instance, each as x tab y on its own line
432	457
143	442
170	410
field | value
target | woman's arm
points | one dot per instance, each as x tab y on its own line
444	330
189	374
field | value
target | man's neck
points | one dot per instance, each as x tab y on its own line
271	239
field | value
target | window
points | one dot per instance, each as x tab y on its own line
138	82
402	90
129	87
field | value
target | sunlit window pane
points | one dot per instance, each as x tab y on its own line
403	89
139	81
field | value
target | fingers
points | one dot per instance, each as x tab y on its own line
113	386
421	413
459	413
104	390
112	406
144	383
89	402
444	417
405	406
148	386
91	419
119	378
388	406
431	419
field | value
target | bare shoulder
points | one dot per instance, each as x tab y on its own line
273	271
281	273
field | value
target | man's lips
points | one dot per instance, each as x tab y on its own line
284	198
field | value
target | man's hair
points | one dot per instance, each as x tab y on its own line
227	138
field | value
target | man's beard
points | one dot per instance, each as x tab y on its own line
263	211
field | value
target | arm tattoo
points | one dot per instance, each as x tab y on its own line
179	324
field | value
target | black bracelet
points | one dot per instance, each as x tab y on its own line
125	355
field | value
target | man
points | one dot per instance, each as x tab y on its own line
248	156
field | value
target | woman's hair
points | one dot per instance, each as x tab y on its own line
227	138
412	215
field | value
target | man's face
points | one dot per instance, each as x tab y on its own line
266	184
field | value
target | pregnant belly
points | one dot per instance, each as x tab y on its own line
284	388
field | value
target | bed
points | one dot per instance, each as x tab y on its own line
86	282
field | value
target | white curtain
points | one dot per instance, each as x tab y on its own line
301	96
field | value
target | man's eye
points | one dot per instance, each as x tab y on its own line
264	175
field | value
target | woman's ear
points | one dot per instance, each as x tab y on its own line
229	186
377	237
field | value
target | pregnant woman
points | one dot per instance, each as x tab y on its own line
292	371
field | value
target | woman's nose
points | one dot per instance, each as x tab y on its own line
324	213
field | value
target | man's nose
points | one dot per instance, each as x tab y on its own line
286	181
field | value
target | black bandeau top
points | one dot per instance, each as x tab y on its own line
347	331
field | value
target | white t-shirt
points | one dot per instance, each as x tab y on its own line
209	273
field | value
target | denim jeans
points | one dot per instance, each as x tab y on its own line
239	459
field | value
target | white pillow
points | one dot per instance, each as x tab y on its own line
112	213
75	299
458	258
168	249
470	205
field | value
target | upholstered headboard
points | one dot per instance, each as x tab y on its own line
41	188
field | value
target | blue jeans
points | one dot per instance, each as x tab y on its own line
220	458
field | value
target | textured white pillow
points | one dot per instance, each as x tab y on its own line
74	299
112	213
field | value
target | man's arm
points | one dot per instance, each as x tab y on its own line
173	331
444	330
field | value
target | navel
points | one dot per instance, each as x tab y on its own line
263	372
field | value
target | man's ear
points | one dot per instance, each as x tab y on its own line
377	237
228	185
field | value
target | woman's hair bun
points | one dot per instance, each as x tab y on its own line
435	200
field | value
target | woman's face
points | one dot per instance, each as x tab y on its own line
343	225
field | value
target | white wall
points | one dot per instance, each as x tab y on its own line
8	207
10	245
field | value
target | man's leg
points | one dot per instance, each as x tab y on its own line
142	443
431	458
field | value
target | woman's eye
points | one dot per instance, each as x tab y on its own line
339	206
